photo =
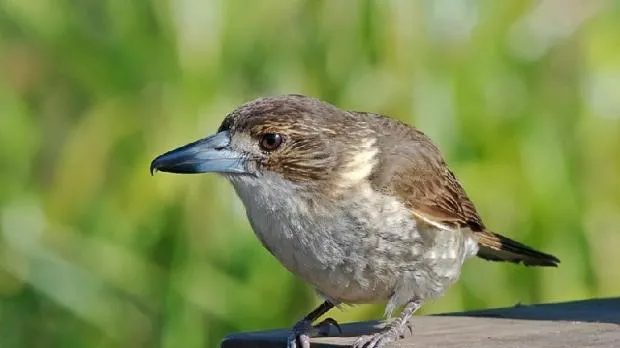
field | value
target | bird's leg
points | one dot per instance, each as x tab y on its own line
393	331
303	329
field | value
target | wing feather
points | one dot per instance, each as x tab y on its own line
412	168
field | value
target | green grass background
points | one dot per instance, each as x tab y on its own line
523	97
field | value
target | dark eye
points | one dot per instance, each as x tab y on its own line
270	141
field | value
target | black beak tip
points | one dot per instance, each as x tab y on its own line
154	166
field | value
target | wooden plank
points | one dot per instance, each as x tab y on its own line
596	310
584	324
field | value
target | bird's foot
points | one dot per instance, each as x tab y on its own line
392	332
303	330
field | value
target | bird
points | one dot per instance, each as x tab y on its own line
360	206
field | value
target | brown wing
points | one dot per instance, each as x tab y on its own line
411	167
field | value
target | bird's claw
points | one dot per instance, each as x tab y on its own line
389	334
323	326
300	335
303	330
298	340
410	327
377	340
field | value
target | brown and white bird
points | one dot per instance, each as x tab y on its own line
360	206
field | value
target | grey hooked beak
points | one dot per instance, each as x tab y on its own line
209	155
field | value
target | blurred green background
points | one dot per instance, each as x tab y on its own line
523	97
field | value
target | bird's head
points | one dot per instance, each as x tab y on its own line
299	139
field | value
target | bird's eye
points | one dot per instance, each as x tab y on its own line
271	141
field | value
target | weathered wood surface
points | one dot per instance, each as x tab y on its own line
582	324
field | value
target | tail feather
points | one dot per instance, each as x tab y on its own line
495	247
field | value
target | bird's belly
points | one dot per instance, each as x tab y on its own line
365	250
325	263
369	270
